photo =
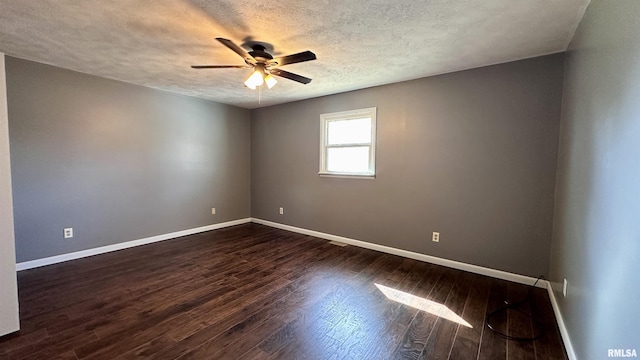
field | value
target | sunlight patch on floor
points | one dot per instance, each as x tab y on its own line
423	304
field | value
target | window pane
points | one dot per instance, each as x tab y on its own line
348	159
355	131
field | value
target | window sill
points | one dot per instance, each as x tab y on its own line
347	176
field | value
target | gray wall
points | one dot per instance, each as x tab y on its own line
596	242
9	294
470	154
116	161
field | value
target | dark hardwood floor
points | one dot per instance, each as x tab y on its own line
254	292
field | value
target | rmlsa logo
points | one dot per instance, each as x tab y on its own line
622	353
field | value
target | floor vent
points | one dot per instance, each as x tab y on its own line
337	243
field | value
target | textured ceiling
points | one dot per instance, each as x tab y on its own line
359	43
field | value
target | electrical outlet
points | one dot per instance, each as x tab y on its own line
213	211
281	211
435	237
68	233
565	284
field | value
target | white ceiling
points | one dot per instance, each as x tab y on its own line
359	43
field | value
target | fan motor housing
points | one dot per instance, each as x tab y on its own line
260	54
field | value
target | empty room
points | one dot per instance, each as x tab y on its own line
217	179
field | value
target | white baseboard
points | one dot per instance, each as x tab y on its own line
527	280
563	329
104	249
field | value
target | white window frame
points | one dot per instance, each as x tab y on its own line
325	119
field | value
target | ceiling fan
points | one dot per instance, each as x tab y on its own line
265	66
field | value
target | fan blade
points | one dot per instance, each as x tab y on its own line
220	66
290	76
295	58
237	49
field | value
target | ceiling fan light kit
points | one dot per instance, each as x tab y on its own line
270	81
255	79
259	77
263	64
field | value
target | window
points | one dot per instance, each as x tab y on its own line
348	143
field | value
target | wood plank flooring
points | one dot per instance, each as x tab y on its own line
254	292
